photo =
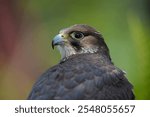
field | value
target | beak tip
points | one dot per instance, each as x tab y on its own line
57	41
53	45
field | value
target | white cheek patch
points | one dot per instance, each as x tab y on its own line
62	51
66	51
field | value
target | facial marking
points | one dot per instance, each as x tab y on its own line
89	50
66	51
78	40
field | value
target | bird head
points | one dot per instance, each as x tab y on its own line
80	39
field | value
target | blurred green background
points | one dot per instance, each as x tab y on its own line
28	26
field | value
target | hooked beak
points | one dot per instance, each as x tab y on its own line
58	40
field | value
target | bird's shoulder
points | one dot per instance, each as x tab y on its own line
76	78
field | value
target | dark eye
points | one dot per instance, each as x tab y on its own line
77	35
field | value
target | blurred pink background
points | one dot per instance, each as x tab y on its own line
19	64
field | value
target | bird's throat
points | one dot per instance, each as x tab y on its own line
67	51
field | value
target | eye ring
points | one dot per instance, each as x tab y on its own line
77	35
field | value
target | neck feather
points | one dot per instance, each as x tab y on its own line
66	52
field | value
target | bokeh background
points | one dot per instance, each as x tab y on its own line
28	26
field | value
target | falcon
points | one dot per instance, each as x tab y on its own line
85	71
